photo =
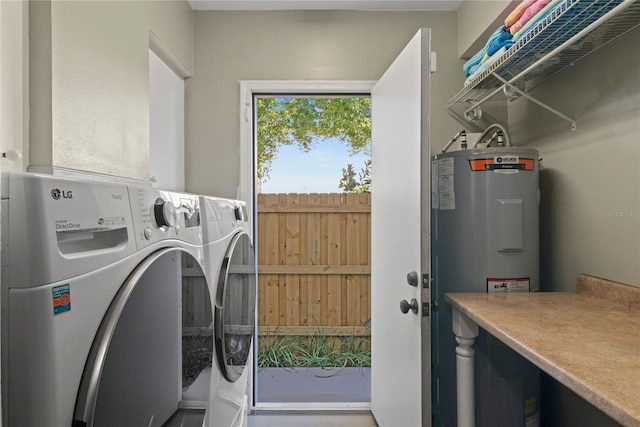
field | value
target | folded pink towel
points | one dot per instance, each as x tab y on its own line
517	12
529	13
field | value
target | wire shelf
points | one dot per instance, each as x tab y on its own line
561	24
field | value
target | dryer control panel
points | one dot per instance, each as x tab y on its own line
222	217
56	228
160	215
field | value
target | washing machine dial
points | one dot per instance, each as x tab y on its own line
165	213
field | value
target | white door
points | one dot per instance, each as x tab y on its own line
400	215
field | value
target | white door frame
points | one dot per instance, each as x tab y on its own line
247	177
14	82
14	90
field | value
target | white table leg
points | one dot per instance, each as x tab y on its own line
465	331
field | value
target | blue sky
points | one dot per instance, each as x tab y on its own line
318	171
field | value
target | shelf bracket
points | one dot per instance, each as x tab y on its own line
517	90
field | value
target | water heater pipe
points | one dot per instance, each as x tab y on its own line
499	128
462	134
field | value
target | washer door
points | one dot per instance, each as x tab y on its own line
235	309
135	370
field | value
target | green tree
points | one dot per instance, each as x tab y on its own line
349	184
303	121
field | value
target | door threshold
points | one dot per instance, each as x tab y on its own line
314	407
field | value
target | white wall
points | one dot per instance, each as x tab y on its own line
310	45
89	82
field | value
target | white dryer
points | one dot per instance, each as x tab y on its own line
91	290
231	267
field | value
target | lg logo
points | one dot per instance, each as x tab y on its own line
58	194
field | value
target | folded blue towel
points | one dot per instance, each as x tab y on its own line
500	38
498	43
476	70
473	61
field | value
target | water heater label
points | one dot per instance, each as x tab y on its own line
447	201
446	189
445	184
502	285
435	203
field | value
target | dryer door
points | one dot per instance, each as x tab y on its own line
135	371
235	309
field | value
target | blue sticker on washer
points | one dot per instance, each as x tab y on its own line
61	299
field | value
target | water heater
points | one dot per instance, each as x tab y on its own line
484	238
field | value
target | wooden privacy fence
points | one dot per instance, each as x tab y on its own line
314	272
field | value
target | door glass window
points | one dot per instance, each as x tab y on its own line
235	307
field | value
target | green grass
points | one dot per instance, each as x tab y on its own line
315	350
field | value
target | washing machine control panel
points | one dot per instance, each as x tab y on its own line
160	215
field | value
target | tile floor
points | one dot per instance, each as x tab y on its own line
194	418
186	418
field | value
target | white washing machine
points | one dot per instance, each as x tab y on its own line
231	268
91	288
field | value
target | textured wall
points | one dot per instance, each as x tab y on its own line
313	45
591	181
95	115
100	94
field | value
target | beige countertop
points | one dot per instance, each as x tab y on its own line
588	340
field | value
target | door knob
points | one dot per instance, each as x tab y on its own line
406	306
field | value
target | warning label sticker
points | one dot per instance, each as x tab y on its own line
61	299
496	285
